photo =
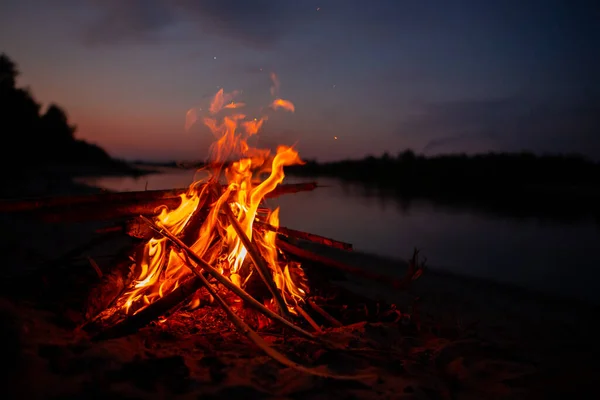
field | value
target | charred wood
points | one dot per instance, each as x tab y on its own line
110	287
293	233
413	272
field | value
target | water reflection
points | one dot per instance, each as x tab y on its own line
536	250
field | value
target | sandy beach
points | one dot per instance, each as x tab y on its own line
467	339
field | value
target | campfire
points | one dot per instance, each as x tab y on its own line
216	243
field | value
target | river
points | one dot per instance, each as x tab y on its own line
545	255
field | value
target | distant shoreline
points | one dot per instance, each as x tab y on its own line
51	180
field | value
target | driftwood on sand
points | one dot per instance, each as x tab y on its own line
158	197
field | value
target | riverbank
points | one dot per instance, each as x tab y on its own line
477	339
56	180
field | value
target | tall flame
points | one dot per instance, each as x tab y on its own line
159	270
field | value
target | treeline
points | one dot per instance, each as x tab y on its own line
32	138
485	173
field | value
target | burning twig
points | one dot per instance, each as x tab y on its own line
251	301
261	267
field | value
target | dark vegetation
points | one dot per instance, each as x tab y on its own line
519	183
41	144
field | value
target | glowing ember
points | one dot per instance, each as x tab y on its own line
236	179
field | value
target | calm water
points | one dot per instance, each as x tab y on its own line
548	256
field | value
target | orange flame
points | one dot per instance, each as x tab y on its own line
285	104
160	270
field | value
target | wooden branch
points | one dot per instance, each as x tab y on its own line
36	204
103	212
150	197
324	313
305	236
331	263
308	319
263	270
203	265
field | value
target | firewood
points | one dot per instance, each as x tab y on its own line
105	211
36	204
293	233
413	272
160	307
156	197
199	264
136	228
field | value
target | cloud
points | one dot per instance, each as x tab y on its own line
509	124
258	23
119	21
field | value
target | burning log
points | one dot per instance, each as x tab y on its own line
155	310
149	198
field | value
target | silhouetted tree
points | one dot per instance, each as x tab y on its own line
8	72
407	156
55	124
34	139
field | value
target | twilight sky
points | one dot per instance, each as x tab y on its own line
436	76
